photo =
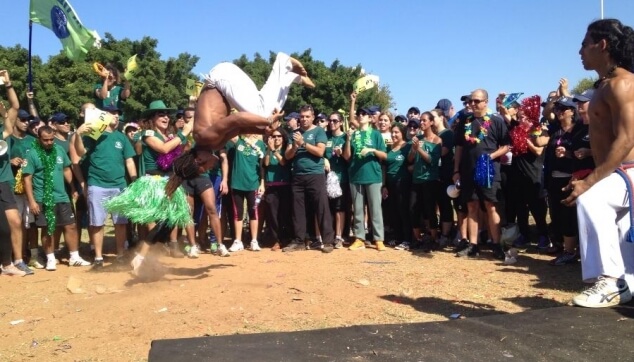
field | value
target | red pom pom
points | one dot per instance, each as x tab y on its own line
530	112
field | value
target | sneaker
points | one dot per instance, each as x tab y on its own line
12	270
402	246
175	251
380	246
605	292
194	252
442	241
521	242
255	246
327	248
498	251
471	251
213	248
338	243
51	265
294	246
22	266
426	245
34	263
236	246
462	244
543	243
136	264
77	261
357	245
222	250
564	258
97	265
315	245
392	243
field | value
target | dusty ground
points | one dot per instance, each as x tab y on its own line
114	317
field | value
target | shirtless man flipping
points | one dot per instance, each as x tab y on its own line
603	202
227	86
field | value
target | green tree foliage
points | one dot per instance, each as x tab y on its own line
61	85
582	85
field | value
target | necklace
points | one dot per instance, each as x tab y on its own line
360	139
48	159
484	129
609	74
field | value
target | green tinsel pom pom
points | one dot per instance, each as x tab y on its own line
144	201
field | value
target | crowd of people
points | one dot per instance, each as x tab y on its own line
445	178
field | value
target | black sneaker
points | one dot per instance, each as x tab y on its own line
564	259
327	248
462	244
472	251
315	245
294	246
97	265
498	251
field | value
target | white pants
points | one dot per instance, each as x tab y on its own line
242	94
604	220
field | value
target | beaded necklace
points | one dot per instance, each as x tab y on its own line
360	140
484	129
48	158
606	76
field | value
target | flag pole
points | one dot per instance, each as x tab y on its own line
601	9
30	41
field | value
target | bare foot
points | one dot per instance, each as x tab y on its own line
298	67
307	82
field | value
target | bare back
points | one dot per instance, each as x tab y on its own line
210	108
611	112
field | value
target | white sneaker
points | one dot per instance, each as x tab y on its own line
222	250
35	263
402	246
51	265
255	246
12	270
193	252
236	246
77	261
136	264
606	292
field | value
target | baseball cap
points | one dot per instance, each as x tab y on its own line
292	115
112	108
444	105
22	114
131	125
585	96
465	98
413	110
34	121
59	117
400	118
413	122
364	110
566	102
374	109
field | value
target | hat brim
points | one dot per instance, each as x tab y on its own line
147	112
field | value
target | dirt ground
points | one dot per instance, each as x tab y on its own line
112	316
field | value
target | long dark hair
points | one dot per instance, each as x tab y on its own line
184	167
620	40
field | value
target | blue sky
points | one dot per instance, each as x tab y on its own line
424	50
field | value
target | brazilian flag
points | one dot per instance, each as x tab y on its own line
60	17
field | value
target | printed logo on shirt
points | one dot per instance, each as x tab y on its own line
241	148
586	138
148	133
118	145
310	137
329	144
59	160
368	142
399	157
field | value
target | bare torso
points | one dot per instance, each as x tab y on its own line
607	111
211	107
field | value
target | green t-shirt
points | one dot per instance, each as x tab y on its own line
106	159
424	171
19	146
149	156
246	165
366	170
113	98
64	144
338	164
396	163
6	175
275	172
304	162
35	167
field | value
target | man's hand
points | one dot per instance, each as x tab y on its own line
34	208
187	128
582	153
563	86
29	95
224	188
326	165
16	161
4	74
84	129
366	150
578	187
353	96
415	143
298	139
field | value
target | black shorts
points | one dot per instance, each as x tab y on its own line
197	186
471	192
63	212
7	199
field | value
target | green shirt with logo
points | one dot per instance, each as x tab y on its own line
276	172
6	175
424	171
396	163
338	164
106	158
304	162
149	156
365	170
35	167
246	165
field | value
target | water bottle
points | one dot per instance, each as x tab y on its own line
258	198
27	225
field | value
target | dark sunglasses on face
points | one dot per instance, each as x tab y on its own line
62	123
276	136
413	127
475	101
25	120
334	120
323	120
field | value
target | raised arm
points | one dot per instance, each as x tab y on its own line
14	105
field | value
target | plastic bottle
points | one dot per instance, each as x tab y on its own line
258	198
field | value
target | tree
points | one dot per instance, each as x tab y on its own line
583	84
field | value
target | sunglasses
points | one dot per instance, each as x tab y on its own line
334	120
323	120
413	127
162	114
475	101
25	120
62	123
276	136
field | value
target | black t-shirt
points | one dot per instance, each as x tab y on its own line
528	164
581	139
496	137
446	161
561	138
